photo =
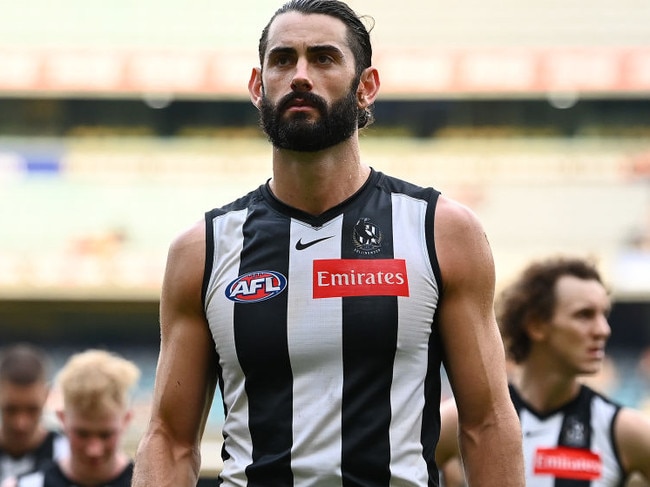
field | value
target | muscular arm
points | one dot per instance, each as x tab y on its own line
489	430
169	452
632	433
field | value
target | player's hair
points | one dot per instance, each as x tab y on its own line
97	379
532	297
358	36
24	364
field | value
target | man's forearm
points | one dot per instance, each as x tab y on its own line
159	464
493	455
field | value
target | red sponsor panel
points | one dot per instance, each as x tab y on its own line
568	463
337	278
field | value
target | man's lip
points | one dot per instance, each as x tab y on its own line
299	107
299	103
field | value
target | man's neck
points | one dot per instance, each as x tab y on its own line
314	182
21	450
545	390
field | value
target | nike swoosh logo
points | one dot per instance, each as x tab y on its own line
302	246
529	434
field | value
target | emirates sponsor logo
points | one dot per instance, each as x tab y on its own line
568	463
337	278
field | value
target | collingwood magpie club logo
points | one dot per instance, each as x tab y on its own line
575	434
367	237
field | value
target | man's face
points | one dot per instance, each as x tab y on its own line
296	132
309	101
579	330
21	407
94	440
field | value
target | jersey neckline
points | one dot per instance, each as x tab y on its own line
323	218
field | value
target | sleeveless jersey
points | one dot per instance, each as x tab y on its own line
329	358
53	476
54	446
573	446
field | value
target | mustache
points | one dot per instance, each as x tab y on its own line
306	96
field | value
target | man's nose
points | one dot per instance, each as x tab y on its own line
94	447
602	327
301	80
23	421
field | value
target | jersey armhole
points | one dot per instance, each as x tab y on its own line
623	474
209	254
429	222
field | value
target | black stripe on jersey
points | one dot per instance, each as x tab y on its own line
429	223
577	419
45	452
368	356
431	413
260	331
209	253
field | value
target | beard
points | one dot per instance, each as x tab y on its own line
297	133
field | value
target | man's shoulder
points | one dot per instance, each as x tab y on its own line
50	475
33	479
398	185
242	202
590	394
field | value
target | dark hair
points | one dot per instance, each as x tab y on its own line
532	297
358	36
23	364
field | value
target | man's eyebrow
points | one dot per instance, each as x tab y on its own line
325	48
281	50
311	49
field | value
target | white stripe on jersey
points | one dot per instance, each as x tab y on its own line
538	432
10	467
315	350
36	479
61	447
228	245
407	461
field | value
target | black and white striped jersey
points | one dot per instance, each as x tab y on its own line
54	446
572	446
324	326
53	476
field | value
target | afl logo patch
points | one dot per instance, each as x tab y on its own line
256	286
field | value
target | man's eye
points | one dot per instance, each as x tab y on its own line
586	314
324	59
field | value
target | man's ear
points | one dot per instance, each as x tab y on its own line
255	87
537	330
368	87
